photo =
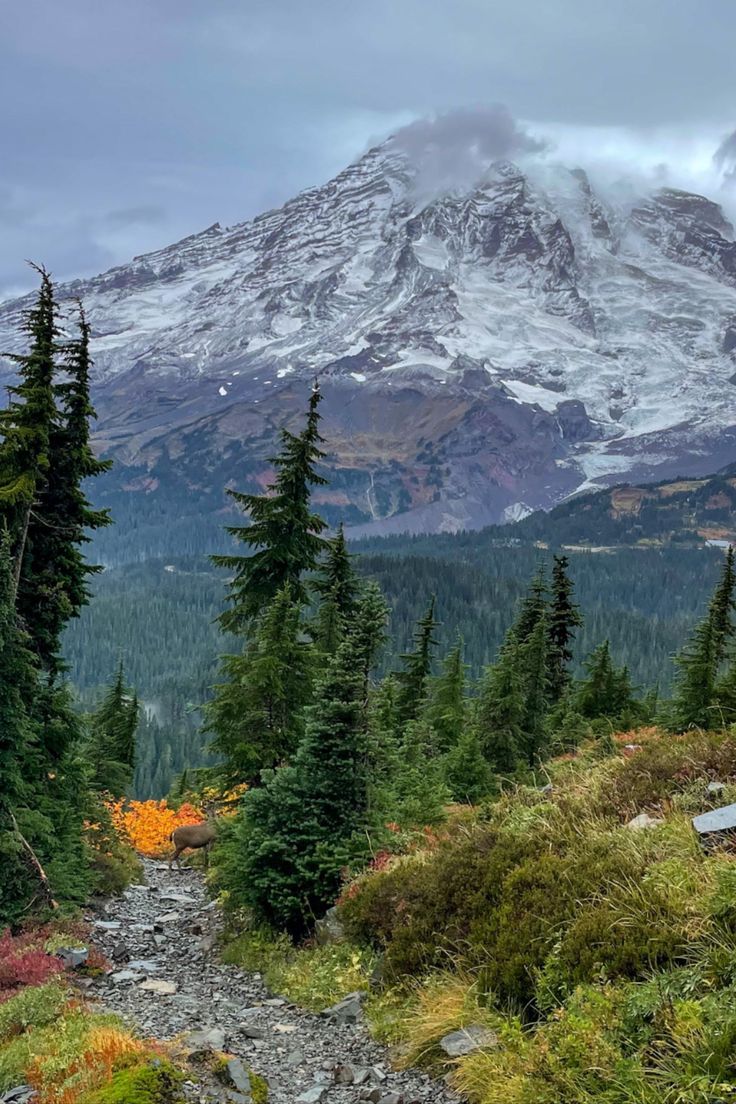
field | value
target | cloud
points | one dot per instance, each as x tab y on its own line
454	149
147	214
216	111
725	157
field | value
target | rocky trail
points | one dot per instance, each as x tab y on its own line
168	981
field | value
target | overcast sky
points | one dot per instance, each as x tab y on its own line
127	124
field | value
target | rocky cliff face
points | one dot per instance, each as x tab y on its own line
480	353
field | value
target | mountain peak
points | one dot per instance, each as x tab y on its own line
539	337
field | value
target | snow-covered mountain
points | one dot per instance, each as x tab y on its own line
481	353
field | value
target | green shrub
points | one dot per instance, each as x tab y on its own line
424	907
154	1083
34	1006
667	766
312	976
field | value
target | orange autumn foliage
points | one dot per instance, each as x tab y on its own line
149	824
105	1049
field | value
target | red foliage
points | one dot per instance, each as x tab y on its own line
23	961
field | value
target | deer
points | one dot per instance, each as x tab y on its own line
193	836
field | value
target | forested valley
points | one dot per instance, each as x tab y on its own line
159	617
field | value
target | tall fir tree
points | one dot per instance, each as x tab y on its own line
337	587
286	852
564	619
722	607
18	731
256	714
413	679
284	532
446	705
532	607
27	423
467	772
533	662
112	746
53	585
606	690
500	710
699	663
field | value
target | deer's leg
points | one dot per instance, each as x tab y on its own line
207	855
175	858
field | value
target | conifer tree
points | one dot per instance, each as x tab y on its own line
446	705
413	679
366	625
607	691
700	660
564	618
532	607
296	832
337	586
467	773
417	790
722	607
113	737
533	664
284	533
27	423
53	581
500	710
257	713
18	732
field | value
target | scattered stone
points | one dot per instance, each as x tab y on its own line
715	789
108	925
391	1098
330	928
467	1039
167	918
238	1076
72	957
147	965
347	1011
313	1095
179	898
21	1094
158	985
373	1095
120	953
252	1032
643	820
344	1075
217	1007
120	977
209	1038
547	789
